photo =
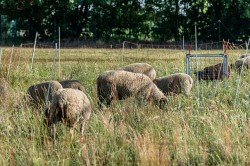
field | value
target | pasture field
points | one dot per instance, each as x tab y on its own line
189	131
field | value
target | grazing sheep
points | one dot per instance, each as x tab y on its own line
243	56
213	72
118	84
239	62
38	93
175	83
71	106
140	68
74	84
3	87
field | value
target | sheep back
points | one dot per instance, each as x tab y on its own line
143	68
239	62
214	72
175	83
70	106
74	84
38	92
243	56
121	84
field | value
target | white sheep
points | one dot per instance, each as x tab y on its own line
119	85
143	68
175	83
38	92
71	106
74	84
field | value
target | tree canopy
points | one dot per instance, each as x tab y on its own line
116	20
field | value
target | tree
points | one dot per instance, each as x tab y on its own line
27	13
159	20
166	20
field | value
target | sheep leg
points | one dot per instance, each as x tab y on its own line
72	131
108	101
54	132
82	130
101	100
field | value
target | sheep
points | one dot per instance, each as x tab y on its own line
175	84
243	56
71	106
140	68
239	62
119	85
3	87
214	72
38	92
74	84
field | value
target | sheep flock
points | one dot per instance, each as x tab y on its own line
68	102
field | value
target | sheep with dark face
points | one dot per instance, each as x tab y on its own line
243	56
214	72
38	92
245	60
119	85
143	68
71	106
74	84
175	84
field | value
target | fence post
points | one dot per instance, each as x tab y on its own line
10	61
33	52
123	45
225	65
188	64
59	52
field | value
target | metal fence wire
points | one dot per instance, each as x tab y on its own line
207	70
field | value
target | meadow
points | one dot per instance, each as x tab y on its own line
203	129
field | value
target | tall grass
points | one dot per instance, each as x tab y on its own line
184	133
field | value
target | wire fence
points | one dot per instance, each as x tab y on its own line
21	62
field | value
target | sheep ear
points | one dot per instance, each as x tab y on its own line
162	103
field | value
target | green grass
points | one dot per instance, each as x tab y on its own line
189	131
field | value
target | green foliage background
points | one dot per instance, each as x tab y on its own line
116	20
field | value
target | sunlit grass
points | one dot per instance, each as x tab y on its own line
203	129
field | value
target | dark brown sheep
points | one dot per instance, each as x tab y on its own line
213	72
74	84
38	92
